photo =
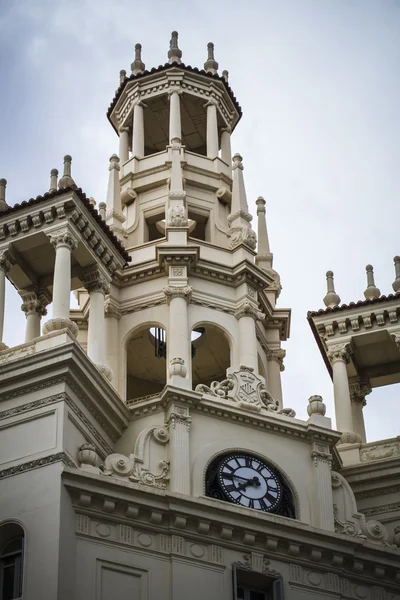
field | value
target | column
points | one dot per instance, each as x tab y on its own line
247	315
178	336
124	144
138	131
97	287
212	130
179	421
64	243
175	127
34	306
323	487
226	152
112	317
7	260
358	391
338	356
275	367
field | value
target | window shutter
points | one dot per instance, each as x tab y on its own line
277	589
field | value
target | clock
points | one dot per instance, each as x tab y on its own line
249	482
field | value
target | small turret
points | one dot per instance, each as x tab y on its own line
225	75
211	65
122	76
53	180
114	216
331	300
3	203
174	54
66	180
396	282
138	65
372	291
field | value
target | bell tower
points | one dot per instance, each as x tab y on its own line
177	201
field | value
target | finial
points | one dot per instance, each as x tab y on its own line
372	291
260	202
3	203
331	300
122	76
53	180
316	406
174	54
66	180
396	282
114	163
237	162
92	201
138	65
211	65
225	75
102	210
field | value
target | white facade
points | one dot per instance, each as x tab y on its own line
145	449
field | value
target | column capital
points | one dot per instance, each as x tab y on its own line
35	302
248	309
396	338
111	309
358	390
94	281
63	237
277	355
8	258
338	352
175	291
123	129
174	90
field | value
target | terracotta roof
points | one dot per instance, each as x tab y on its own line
326	311
165	68
85	201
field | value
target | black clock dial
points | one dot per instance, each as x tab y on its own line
248	481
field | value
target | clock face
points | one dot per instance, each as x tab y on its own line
248	481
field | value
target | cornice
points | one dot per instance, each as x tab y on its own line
164	513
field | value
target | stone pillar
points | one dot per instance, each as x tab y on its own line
34	306
7	260
247	315
178	421
64	243
212	130
112	316
226	152
97	287
358	391
178	336
338	356
323	486
175	127
275	367
138	130
124	144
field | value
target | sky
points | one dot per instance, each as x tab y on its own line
319	84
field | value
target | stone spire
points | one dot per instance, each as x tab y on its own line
264	257
225	75
331	299
174	54
53	180
66	180
3	203
122	76
240	218
372	291
114	216
211	65
138	65
396	282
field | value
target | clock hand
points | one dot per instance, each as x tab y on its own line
253	481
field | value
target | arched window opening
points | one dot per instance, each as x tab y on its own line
11	561
249	481
146	365
211	355
200	231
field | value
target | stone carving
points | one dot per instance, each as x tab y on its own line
243	235
177	291
63	237
35	302
39	462
95	282
177	367
8	259
316	406
255	561
380	451
15	353
338	352
246	389
131	467
348	520
87	455
176	217
249	309
277	355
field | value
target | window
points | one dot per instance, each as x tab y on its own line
11	561
251	585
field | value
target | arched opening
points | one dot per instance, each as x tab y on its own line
11	561
146	366
250	481
211	355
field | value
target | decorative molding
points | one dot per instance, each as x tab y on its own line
35	302
94	281
39	462
277	355
177	418
378	510
118	465
337	352
380	451
63	237
242	235
359	389
258	562
248	309
176	215
175	291
8	258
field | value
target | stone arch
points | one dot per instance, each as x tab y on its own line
12	550
294	496
211	353
145	372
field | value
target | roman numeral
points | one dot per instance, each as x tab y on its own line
248	461
227	475
251	503
228	466
230	488
264	504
